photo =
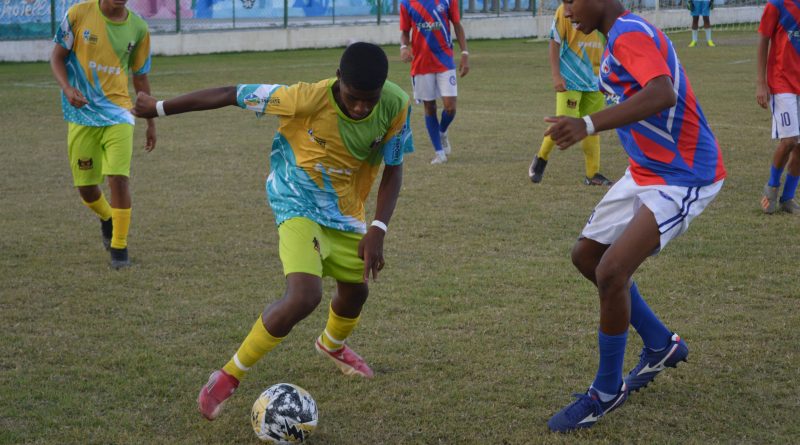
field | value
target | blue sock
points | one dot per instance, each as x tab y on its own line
433	131
775	176
654	334
789	187
609	372
446	119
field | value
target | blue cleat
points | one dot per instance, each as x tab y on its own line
651	363
585	411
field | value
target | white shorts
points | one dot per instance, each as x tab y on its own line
674	207
435	85
785	111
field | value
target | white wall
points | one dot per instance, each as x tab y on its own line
337	36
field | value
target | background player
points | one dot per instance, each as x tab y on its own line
574	64
700	8
779	86
326	155
433	72
97	44
675	171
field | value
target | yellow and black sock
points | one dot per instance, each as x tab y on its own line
337	330
547	146
591	153
100	207
257	343
122	221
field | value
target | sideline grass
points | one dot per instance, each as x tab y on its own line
478	329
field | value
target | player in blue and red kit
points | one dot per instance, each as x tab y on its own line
675	171
778	87
425	24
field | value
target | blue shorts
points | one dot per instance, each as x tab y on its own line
701	8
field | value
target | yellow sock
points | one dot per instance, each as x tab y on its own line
122	221
591	153
257	343
337	330
100	207
547	146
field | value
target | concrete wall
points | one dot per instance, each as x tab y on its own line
339	35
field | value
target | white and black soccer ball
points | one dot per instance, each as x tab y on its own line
284	414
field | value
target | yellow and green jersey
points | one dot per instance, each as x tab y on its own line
323	163
580	53
101	54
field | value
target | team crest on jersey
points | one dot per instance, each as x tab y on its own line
85	163
89	38
440	7
253	100
131	45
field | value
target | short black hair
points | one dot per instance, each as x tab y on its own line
364	66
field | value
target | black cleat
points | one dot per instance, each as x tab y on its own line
119	258
598	179
536	170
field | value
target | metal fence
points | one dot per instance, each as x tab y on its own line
38	19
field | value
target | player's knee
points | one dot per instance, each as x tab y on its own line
582	260
304	299
610	277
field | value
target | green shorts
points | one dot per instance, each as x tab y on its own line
578	103
308	247
95	152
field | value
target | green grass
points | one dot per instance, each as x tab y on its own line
479	328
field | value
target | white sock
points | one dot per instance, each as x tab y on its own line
708	34
694	35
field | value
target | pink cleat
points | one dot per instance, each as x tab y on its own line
220	386
348	361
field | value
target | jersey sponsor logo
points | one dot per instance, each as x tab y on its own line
89	38
321	142
338	171
85	163
429	26
597	45
104	68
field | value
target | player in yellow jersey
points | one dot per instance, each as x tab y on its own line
97	44
574	62
331	141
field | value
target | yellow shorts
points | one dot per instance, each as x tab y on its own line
578	103
95	152
308	247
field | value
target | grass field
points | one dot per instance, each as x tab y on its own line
478	329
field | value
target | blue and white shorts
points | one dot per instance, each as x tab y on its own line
785	112
674	207
432	86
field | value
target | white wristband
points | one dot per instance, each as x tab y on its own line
160	108
380	225
403	46
589	125
465	53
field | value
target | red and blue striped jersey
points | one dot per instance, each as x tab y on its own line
675	146
781	23
431	42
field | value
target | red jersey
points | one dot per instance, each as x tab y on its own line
781	23
431	42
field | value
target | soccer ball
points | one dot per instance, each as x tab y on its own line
284	414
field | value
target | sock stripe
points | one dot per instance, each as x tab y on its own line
239	364
333	340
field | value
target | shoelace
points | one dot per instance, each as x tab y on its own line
578	409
